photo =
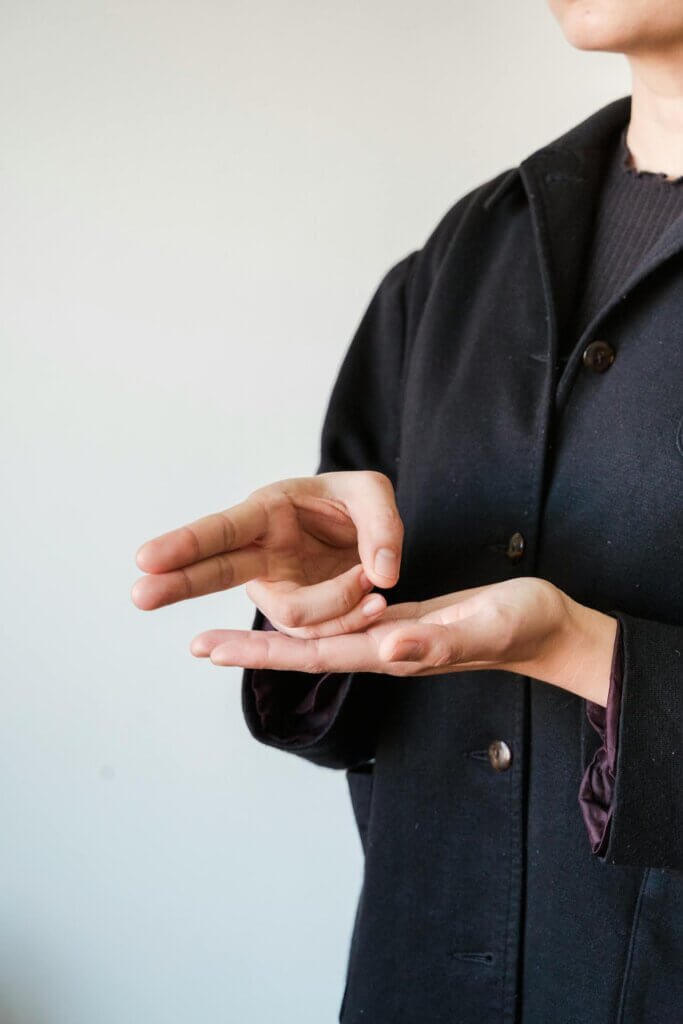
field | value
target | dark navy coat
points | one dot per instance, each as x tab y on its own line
482	902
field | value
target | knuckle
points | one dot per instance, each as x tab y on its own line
305	632
375	479
228	531
290	614
339	625
374	476
267	498
505	627
388	518
313	663
549	595
195	542
389	514
187	583
270	651
348	598
443	653
226	574
259	493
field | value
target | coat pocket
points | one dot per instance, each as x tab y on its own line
360	781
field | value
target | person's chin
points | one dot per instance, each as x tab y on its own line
586	27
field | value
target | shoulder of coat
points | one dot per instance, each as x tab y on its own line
475	201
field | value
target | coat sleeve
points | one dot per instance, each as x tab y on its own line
646	827
331	720
294	707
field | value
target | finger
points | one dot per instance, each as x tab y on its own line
233	528
371	502
203	643
369	610
339	605
213	574
355	652
456	640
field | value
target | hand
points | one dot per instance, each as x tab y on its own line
309	549
524	625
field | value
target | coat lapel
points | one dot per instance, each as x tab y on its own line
562	182
562	185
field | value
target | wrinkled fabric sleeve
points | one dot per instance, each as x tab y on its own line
294	708
643	810
597	785
332	720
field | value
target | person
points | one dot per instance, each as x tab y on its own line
473	607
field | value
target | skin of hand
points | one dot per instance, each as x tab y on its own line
296	544
524	625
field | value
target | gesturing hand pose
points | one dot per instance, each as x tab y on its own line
525	625
310	549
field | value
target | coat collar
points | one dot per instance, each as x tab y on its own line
572	151
562	185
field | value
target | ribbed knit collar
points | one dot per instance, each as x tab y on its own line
627	164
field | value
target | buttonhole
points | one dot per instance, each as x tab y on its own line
474	958
478	755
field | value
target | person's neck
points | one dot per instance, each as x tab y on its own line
655	131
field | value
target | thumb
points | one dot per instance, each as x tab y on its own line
444	638
371	503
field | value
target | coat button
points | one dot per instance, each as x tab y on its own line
598	356
515	548
500	755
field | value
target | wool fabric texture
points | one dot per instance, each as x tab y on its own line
482	900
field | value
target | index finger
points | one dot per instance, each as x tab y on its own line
233	528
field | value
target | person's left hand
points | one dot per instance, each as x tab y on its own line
524	625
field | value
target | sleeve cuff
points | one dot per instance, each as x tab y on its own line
293	709
596	793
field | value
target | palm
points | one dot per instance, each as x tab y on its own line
307	540
512	623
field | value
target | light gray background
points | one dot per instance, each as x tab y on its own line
197	202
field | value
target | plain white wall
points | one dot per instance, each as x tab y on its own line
198	199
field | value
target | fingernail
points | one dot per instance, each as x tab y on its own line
386	563
373	605
407	650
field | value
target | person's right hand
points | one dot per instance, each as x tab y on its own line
309	549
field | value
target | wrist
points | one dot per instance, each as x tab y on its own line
576	650
585	646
